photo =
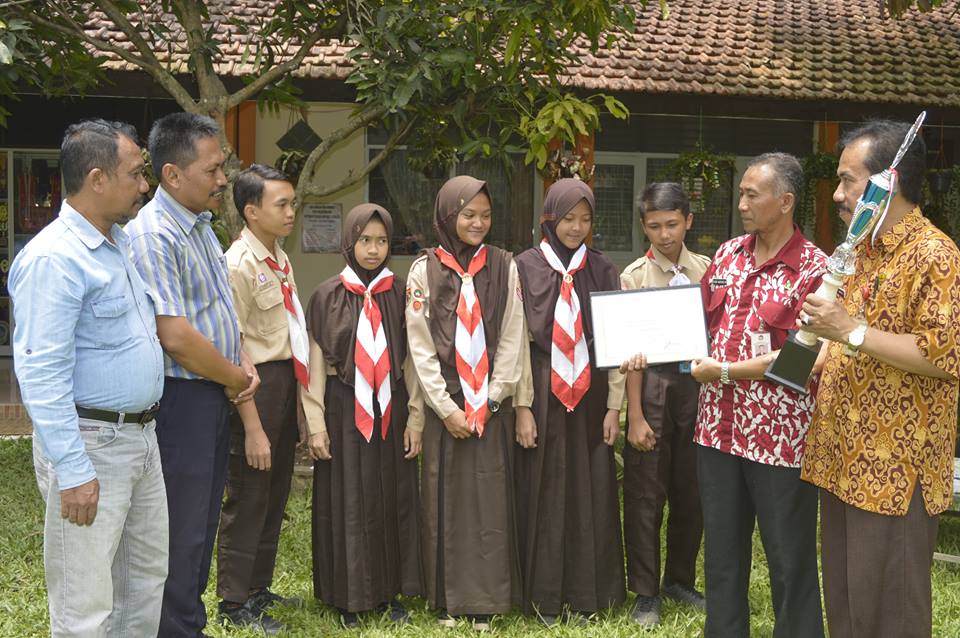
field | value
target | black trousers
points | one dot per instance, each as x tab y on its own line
253	510
736	493
193	434
666	473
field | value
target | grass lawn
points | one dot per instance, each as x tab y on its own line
23	603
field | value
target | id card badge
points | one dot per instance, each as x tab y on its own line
759	344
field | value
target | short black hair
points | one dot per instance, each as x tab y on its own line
173	139
91	144
885	137
663	196
787	171
248	185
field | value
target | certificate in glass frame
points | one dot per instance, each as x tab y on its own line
665	324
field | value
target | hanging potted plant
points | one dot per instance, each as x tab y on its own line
940	176
700	172
816	167
939	180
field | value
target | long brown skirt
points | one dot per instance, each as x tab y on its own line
366	546
470	555
568	504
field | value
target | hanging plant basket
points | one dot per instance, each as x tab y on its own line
700	173
435	171
939	181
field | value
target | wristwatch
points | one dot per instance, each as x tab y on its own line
856	336
493	406
725	372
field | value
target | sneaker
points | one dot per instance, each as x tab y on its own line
684	595
243	616
397	612
263	599
549	620
349	619
445	619
480	622
575	618
646	611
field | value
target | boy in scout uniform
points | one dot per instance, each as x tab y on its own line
660	460
263	441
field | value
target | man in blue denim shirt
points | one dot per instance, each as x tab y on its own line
90	369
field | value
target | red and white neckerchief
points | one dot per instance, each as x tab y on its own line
569	356
371	358
679	279
470	339
297	326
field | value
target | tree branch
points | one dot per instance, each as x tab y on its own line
154	68
211	87
362	120
280	70
352	178
153	65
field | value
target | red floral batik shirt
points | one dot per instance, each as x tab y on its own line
756	420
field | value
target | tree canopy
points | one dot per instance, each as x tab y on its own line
448	80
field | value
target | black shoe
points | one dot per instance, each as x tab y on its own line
397	612
243	616
575	618
684	595
549	620
263	599
349	619
646	611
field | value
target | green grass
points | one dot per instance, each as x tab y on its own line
23	603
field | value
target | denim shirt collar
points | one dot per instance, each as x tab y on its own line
86	231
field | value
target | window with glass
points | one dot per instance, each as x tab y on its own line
613	191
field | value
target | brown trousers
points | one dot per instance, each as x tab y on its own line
253	510
876	570
666	473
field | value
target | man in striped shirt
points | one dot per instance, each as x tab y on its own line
176	252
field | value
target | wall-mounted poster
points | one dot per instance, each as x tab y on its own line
321	228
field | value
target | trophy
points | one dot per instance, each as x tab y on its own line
793	365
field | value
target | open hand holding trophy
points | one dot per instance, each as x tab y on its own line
793	365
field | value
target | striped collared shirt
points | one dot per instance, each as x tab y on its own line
177	254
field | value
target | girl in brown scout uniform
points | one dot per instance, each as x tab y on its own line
567	479
467	338
366	547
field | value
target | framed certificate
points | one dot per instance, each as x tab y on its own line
665	324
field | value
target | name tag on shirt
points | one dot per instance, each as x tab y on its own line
759	344
719	282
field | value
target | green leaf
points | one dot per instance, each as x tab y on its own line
513	45
6	56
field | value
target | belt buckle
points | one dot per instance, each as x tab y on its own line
147	415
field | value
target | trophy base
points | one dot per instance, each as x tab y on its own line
793	365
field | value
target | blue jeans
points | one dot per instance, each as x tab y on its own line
106	579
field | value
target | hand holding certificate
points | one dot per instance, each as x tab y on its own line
665	324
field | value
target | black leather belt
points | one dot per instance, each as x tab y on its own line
114	417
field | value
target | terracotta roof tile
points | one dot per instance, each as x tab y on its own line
819	49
